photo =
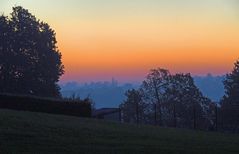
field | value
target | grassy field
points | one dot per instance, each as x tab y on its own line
27	132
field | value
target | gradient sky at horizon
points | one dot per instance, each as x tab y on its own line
101	39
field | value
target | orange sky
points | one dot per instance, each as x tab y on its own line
124	39
131	50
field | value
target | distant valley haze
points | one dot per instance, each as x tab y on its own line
111	93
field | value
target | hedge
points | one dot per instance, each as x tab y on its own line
80	108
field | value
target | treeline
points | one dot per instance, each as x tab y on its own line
68	106
173	100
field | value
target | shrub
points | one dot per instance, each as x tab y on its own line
81	108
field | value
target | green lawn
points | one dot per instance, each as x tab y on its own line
27	132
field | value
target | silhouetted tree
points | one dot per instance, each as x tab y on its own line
30	62
230	101
153	88
133	108
186	105
7	56
175	100
231	85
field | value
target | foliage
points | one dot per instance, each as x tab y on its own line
187	103
231	85
76	107
170	100
30	62
230	101
154	87
133	108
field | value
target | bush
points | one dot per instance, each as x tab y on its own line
81	108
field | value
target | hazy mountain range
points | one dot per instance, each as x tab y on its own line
111	94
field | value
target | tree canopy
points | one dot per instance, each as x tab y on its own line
231	85
168	99
30	62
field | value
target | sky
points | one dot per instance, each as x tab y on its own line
124	39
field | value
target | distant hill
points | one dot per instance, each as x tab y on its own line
211	86
31	133
104	94
111	94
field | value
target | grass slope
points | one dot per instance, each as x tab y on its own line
27	132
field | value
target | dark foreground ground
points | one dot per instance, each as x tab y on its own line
27	132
